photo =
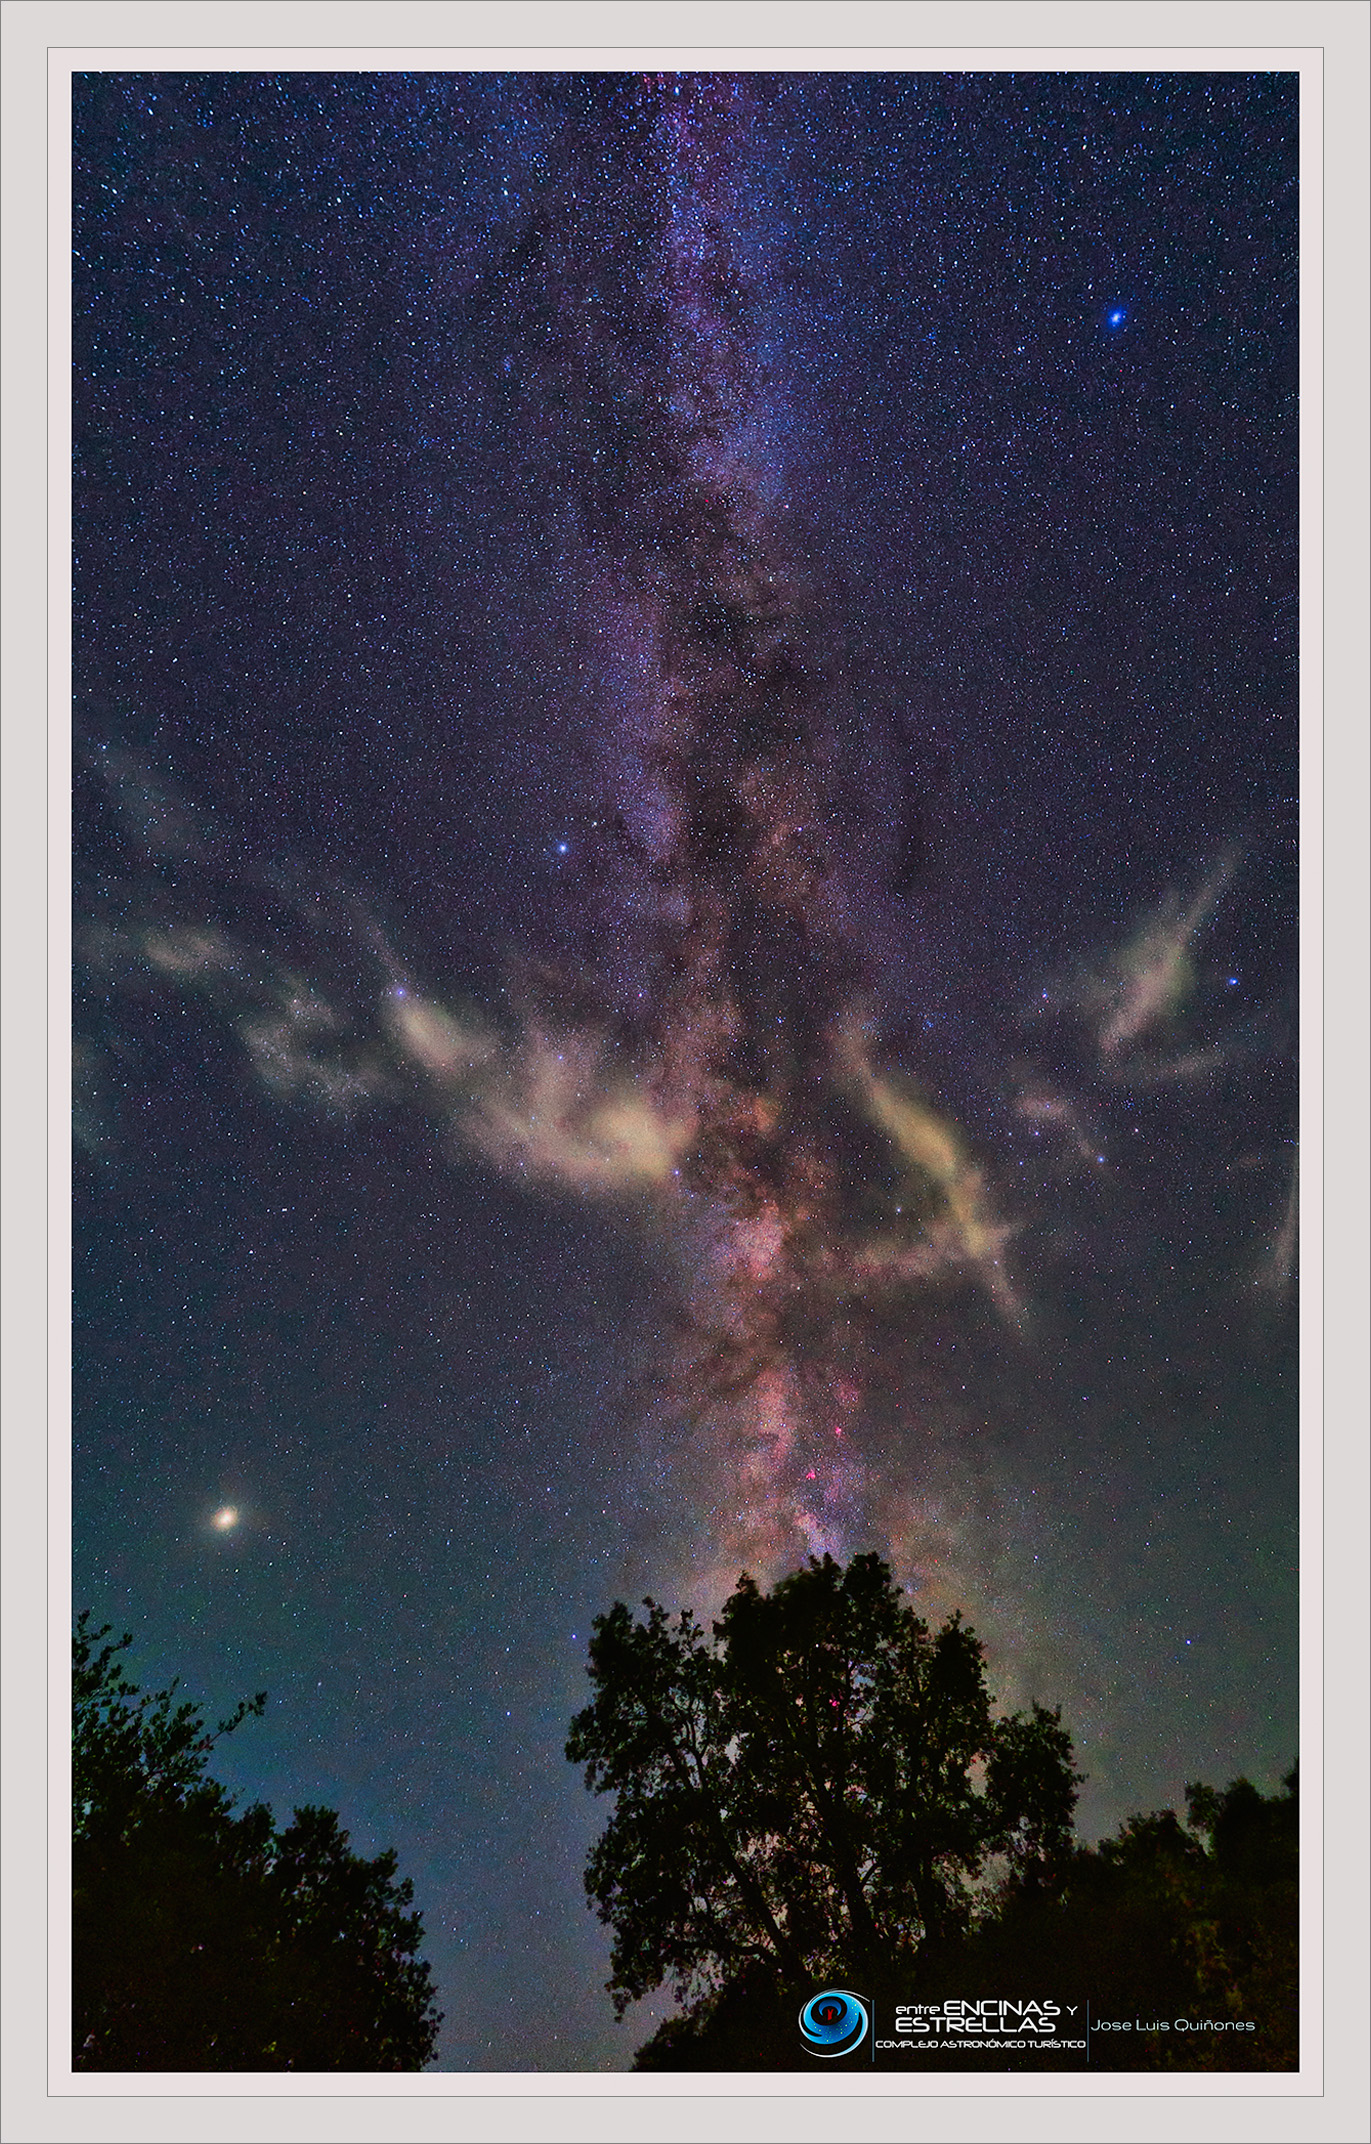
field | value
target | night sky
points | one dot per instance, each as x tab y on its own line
685	823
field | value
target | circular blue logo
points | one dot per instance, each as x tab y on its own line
833	2023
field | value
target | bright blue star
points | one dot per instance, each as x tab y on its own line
1116	319
562	847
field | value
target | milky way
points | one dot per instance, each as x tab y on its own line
661	710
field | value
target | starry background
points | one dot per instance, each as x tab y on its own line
386	517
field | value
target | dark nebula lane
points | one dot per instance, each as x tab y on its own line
685	914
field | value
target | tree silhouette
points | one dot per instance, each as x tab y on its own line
1185	1934
205	1940
1164	1921
815	1795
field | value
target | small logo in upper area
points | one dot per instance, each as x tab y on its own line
834	2022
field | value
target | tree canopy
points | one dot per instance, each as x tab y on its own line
1168	1918
208	1940
1193	1919
817	1792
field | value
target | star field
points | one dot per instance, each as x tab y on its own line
685	706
